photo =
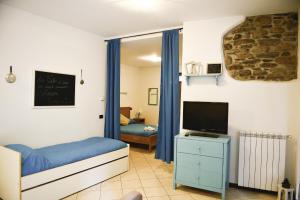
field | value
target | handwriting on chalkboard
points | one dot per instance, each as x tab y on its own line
53	89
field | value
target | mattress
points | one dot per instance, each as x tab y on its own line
138	129
41	159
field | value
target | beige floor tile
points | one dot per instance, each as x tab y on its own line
155	164
95	188
267	196
198	194
132	170
161	169
154	180
160	198
181	197
166	182
146	173
138	161
242	194
88	195
147	176
128	184
72	197
204	197
116	178
140	190
154	191
151	183
111	185
142	166
138	158
131	166
111	194
144	170
171	191
150	156
162	175
129	176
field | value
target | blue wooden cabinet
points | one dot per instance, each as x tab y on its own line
202	162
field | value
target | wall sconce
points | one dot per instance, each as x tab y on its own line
10	78
81	81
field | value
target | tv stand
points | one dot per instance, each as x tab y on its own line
202	163
202	134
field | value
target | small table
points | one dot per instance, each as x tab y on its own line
139	120
287	192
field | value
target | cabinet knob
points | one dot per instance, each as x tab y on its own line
199	148
199	164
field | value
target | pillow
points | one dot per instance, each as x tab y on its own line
23	149
131	121
34	163
124	120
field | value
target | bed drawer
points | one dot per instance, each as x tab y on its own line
71	184
212	149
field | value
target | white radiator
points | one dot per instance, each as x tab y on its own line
261	160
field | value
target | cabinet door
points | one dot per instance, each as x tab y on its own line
189	161
211	179
187	176
211	171
211	164
199	170
204	148
187	168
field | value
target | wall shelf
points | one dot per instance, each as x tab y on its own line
189	76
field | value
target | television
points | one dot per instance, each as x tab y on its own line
207	117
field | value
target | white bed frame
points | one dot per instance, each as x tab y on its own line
59	182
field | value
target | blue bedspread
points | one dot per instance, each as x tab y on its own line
137	129
37	160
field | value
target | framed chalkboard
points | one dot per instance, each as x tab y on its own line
54	89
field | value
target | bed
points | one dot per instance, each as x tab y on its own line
57	171
135	132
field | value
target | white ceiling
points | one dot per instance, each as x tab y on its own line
131	51
118	17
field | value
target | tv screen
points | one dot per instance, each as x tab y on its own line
209	117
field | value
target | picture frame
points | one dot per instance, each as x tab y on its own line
153	96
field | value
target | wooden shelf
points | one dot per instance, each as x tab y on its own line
189	76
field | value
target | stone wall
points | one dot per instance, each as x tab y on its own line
263	48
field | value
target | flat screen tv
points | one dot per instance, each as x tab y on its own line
208	117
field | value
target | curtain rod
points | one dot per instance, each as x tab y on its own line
138	35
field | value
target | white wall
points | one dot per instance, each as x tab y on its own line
130	84
254	105
136	81
150	77
298	111
29	41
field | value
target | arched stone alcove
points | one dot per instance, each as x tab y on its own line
263	48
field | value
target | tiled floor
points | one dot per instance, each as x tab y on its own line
153	179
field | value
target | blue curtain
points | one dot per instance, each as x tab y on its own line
169	116
112	113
